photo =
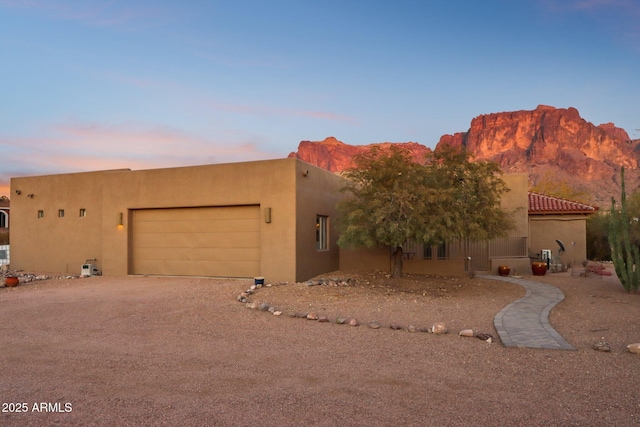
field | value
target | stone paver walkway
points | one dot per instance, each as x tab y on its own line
525	322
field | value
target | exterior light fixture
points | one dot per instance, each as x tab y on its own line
267	215
120	219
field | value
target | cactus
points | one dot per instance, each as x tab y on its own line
625	256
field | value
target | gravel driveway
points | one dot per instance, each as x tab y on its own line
182	351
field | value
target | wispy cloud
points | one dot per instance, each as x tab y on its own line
276	111
78	147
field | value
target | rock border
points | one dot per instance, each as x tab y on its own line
24	278
438	328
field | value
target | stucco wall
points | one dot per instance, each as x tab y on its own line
364	259
318	193
516	201
569	229
269	184
52	243
62	244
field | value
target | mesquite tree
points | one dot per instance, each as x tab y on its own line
625	255
393	199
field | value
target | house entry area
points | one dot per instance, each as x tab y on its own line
204	241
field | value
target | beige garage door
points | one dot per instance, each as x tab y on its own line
215	241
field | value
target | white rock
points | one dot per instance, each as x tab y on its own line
634	348
466	333
439	328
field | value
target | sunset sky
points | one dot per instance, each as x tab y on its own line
98	84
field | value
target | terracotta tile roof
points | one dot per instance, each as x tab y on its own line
541	204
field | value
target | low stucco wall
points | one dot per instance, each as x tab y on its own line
379	259
440	267
374	259
518	266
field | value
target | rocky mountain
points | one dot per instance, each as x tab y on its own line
547	143
336	156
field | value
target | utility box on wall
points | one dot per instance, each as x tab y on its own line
89	270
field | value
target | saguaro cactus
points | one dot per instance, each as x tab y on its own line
625	256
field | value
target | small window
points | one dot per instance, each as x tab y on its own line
83	212
60	213
427	252
4	220
40	214
441	252
322	232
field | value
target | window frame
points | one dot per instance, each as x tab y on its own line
322	232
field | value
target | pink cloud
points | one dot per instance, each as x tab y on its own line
78	147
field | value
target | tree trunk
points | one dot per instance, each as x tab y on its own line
396	271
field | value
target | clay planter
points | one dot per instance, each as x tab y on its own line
539	268
11	281
504	270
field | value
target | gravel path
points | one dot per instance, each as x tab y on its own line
182	351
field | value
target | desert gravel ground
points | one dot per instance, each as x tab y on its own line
134	351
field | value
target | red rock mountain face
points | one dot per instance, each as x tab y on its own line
545	142
336	156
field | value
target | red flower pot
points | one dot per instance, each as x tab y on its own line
539	268
11	281
504	270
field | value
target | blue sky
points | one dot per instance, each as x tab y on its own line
97	84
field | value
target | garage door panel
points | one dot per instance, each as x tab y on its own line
200	226
198	254
215	241
202	268
198	240
198	214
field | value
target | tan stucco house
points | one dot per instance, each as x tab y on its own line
272	218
